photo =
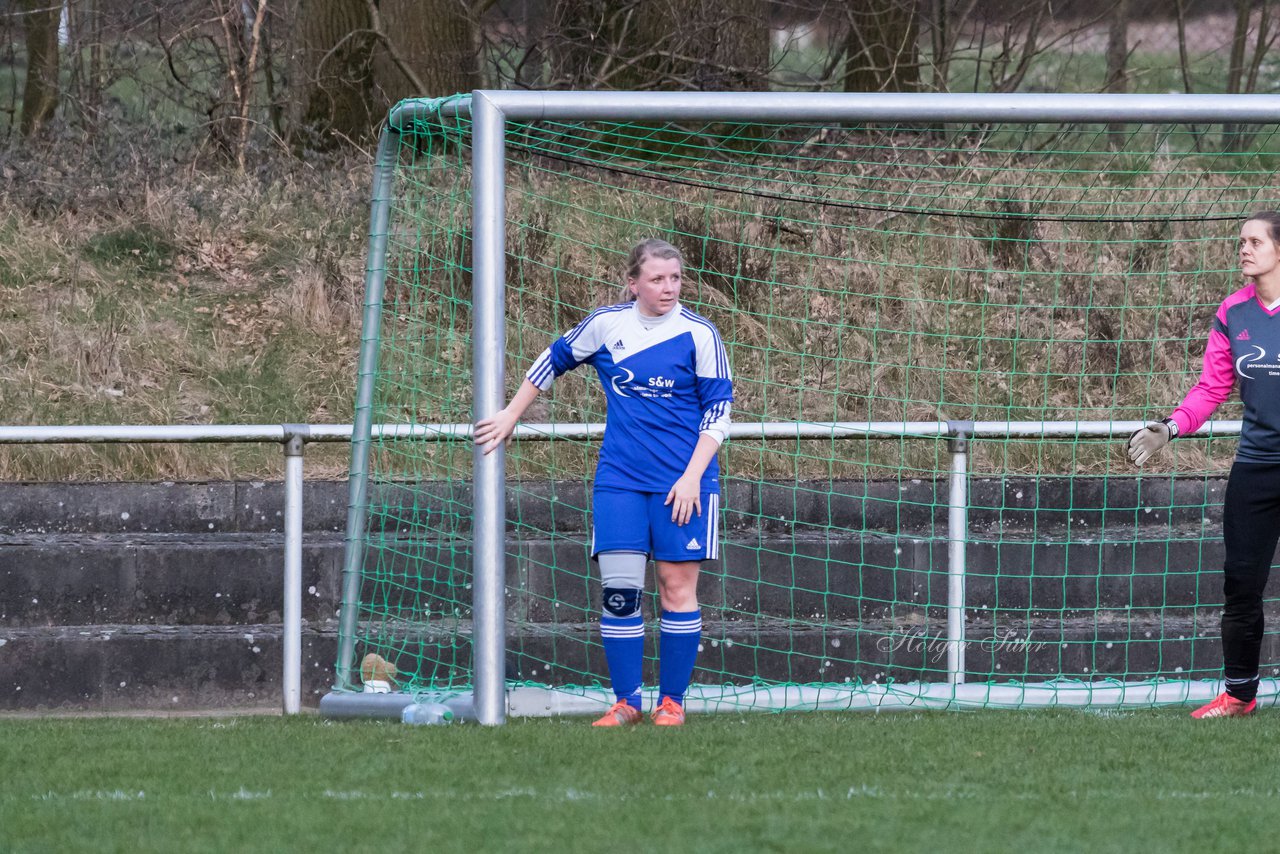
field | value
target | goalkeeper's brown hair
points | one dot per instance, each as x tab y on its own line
1272	219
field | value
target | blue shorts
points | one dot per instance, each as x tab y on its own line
625	521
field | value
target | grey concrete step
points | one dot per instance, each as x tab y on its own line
165	508
917	507
1043	505
227	579
231	579
160	668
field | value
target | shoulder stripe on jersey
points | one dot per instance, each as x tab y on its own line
573	333
715	413
540	370
722	359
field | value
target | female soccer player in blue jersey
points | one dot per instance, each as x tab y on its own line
666	381
1244	348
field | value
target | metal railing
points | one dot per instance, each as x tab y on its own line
293	438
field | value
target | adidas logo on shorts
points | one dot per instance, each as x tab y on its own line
693	544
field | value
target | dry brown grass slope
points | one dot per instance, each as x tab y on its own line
134	296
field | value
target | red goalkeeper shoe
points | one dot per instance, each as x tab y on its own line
668	713
620	713
1226	706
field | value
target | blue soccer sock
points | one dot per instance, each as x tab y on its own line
681	634
623	639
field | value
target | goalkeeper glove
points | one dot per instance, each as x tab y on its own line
1145	442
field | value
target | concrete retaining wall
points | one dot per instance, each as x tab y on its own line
169	596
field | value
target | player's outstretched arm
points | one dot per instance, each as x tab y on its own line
1217	377
491	432
1144	443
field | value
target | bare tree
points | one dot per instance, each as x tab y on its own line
658	44
1117	61
881	51
242	44
1239	43
1180	15
40	92
1244	62
334	79
737	57
1118	48
221	63
582	38
84	72
425	48
357	57
1000	43
1019	45
946	19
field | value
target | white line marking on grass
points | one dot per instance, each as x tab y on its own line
861	791
244	794
1223	793
347	796
94	795
524	792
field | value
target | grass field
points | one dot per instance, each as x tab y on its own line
983	782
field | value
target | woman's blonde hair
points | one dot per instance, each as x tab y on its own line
641	252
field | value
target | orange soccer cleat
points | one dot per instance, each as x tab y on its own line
620	713
1226	706
668	713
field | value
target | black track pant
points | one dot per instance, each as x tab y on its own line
1251	528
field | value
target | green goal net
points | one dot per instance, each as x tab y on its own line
908	309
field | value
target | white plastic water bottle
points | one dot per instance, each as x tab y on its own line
426	713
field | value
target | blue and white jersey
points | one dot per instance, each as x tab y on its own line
666	381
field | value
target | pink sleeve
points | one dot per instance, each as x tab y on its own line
1216	379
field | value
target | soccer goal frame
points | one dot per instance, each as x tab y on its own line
490	111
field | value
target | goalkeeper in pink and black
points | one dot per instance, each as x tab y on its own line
665	376
1243	349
